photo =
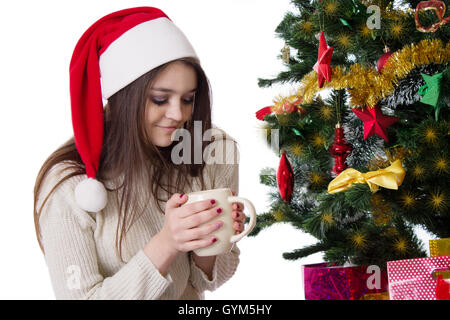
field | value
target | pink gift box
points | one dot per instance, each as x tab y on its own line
415	279
325	282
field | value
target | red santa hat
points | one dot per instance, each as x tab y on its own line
112	53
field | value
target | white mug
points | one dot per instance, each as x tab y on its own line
225	235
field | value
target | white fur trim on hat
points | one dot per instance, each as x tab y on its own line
139	50
90	195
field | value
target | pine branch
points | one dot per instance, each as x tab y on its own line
265	220
306	251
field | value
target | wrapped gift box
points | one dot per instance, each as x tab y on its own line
416	279
324	282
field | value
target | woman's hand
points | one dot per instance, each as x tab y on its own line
183	229
238	215
207	263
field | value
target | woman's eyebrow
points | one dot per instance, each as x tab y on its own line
170	90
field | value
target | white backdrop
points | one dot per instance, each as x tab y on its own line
236	42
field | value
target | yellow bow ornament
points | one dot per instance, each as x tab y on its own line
390	178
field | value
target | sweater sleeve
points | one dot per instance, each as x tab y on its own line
70	253
225	175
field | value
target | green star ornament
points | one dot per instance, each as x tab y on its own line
431	91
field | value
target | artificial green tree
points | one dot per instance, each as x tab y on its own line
400	68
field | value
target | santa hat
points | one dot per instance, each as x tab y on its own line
118	48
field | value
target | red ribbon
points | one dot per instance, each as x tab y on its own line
438	7
442	288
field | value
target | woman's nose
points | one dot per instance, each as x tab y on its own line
174	111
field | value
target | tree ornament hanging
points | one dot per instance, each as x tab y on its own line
339	150
383	59
431	92
322	66
375	121
285	178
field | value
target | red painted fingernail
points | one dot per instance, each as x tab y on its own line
181	195
219	210
213	201
214	240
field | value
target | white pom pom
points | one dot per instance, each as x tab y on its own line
90	194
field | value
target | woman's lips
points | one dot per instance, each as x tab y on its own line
167	129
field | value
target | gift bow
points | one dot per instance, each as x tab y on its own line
390	178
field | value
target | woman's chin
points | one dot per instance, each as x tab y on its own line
163	142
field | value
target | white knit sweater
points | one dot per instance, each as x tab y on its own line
82	258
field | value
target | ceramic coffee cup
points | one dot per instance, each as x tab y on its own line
225	235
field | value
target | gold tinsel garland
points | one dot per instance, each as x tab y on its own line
366	87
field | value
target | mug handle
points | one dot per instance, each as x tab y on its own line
248	205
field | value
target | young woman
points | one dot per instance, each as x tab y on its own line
108	203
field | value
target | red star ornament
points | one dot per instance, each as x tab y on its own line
322	66
375	121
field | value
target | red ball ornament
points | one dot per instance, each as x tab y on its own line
340	149
383	59
285	178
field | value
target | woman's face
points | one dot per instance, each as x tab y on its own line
170	102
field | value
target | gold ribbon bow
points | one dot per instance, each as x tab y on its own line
390	178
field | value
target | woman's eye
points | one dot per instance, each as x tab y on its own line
159	102
189	101
162	101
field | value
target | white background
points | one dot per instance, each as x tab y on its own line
236	42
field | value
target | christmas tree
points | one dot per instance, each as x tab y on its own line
361	169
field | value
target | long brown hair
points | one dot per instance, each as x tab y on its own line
127	152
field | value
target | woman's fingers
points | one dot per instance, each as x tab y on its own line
193	230
238	215
238	226
175	201
237	206
187	225
197	219
196	207
197	244
203	231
